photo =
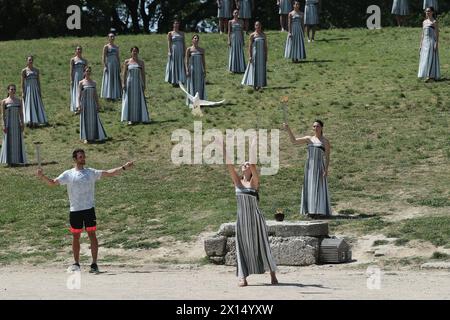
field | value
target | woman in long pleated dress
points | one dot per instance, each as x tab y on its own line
315	201
429	66
400	8
195	69
295	44
13	146
77	65
253	253
245	8
34	113
431	3
91	128
311	18
236	57
284	7
175	71
224	8
111	82
255	75
134	106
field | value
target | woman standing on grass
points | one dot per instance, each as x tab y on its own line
34	112
429	66
311	18
285	6
195	69
77	65
245	8
13	146
295	45
400	8
236	59
224	8
175	72
111	83
255	74
91	128
431	3
315	195
253	252
134	106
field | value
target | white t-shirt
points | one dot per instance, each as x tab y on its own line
80	187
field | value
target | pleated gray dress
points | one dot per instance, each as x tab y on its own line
253	252
255	74
295	44
224	11
431	3
175	71
429	66
311	12
245	9
111	83
33	107
400	7
236	57
285	7
91	128
315	194
134	106
196	80
13	146
78	75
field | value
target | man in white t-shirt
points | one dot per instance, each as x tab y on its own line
80	183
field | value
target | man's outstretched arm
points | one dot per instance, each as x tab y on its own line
117	171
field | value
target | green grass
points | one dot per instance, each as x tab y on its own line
388	130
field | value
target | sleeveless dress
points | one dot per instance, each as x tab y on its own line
196	80
175	71
91	128
253	252
33	107
400	7
285	7
295	45
245	9
236	57
429	66
13	146
255	74
134	106
111	83
315	194
431	3
311	12
78	75
224	11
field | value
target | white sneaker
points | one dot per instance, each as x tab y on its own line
309	40
74	268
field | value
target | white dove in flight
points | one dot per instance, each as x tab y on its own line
196	102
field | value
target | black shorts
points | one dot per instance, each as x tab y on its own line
83	218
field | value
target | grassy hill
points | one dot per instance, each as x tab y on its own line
389	133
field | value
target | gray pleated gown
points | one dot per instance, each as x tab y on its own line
224	11
253	252
431	3
285	7
311	12
91	128
111	83
175	71
295	45
245	9
236	57
255	74
78	75
13	146
196	80
429	66
134	106
400	7
315	194
33	107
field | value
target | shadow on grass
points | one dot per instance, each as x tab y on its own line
32	164
332	39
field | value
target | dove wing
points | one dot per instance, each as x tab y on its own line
211	103
185	91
